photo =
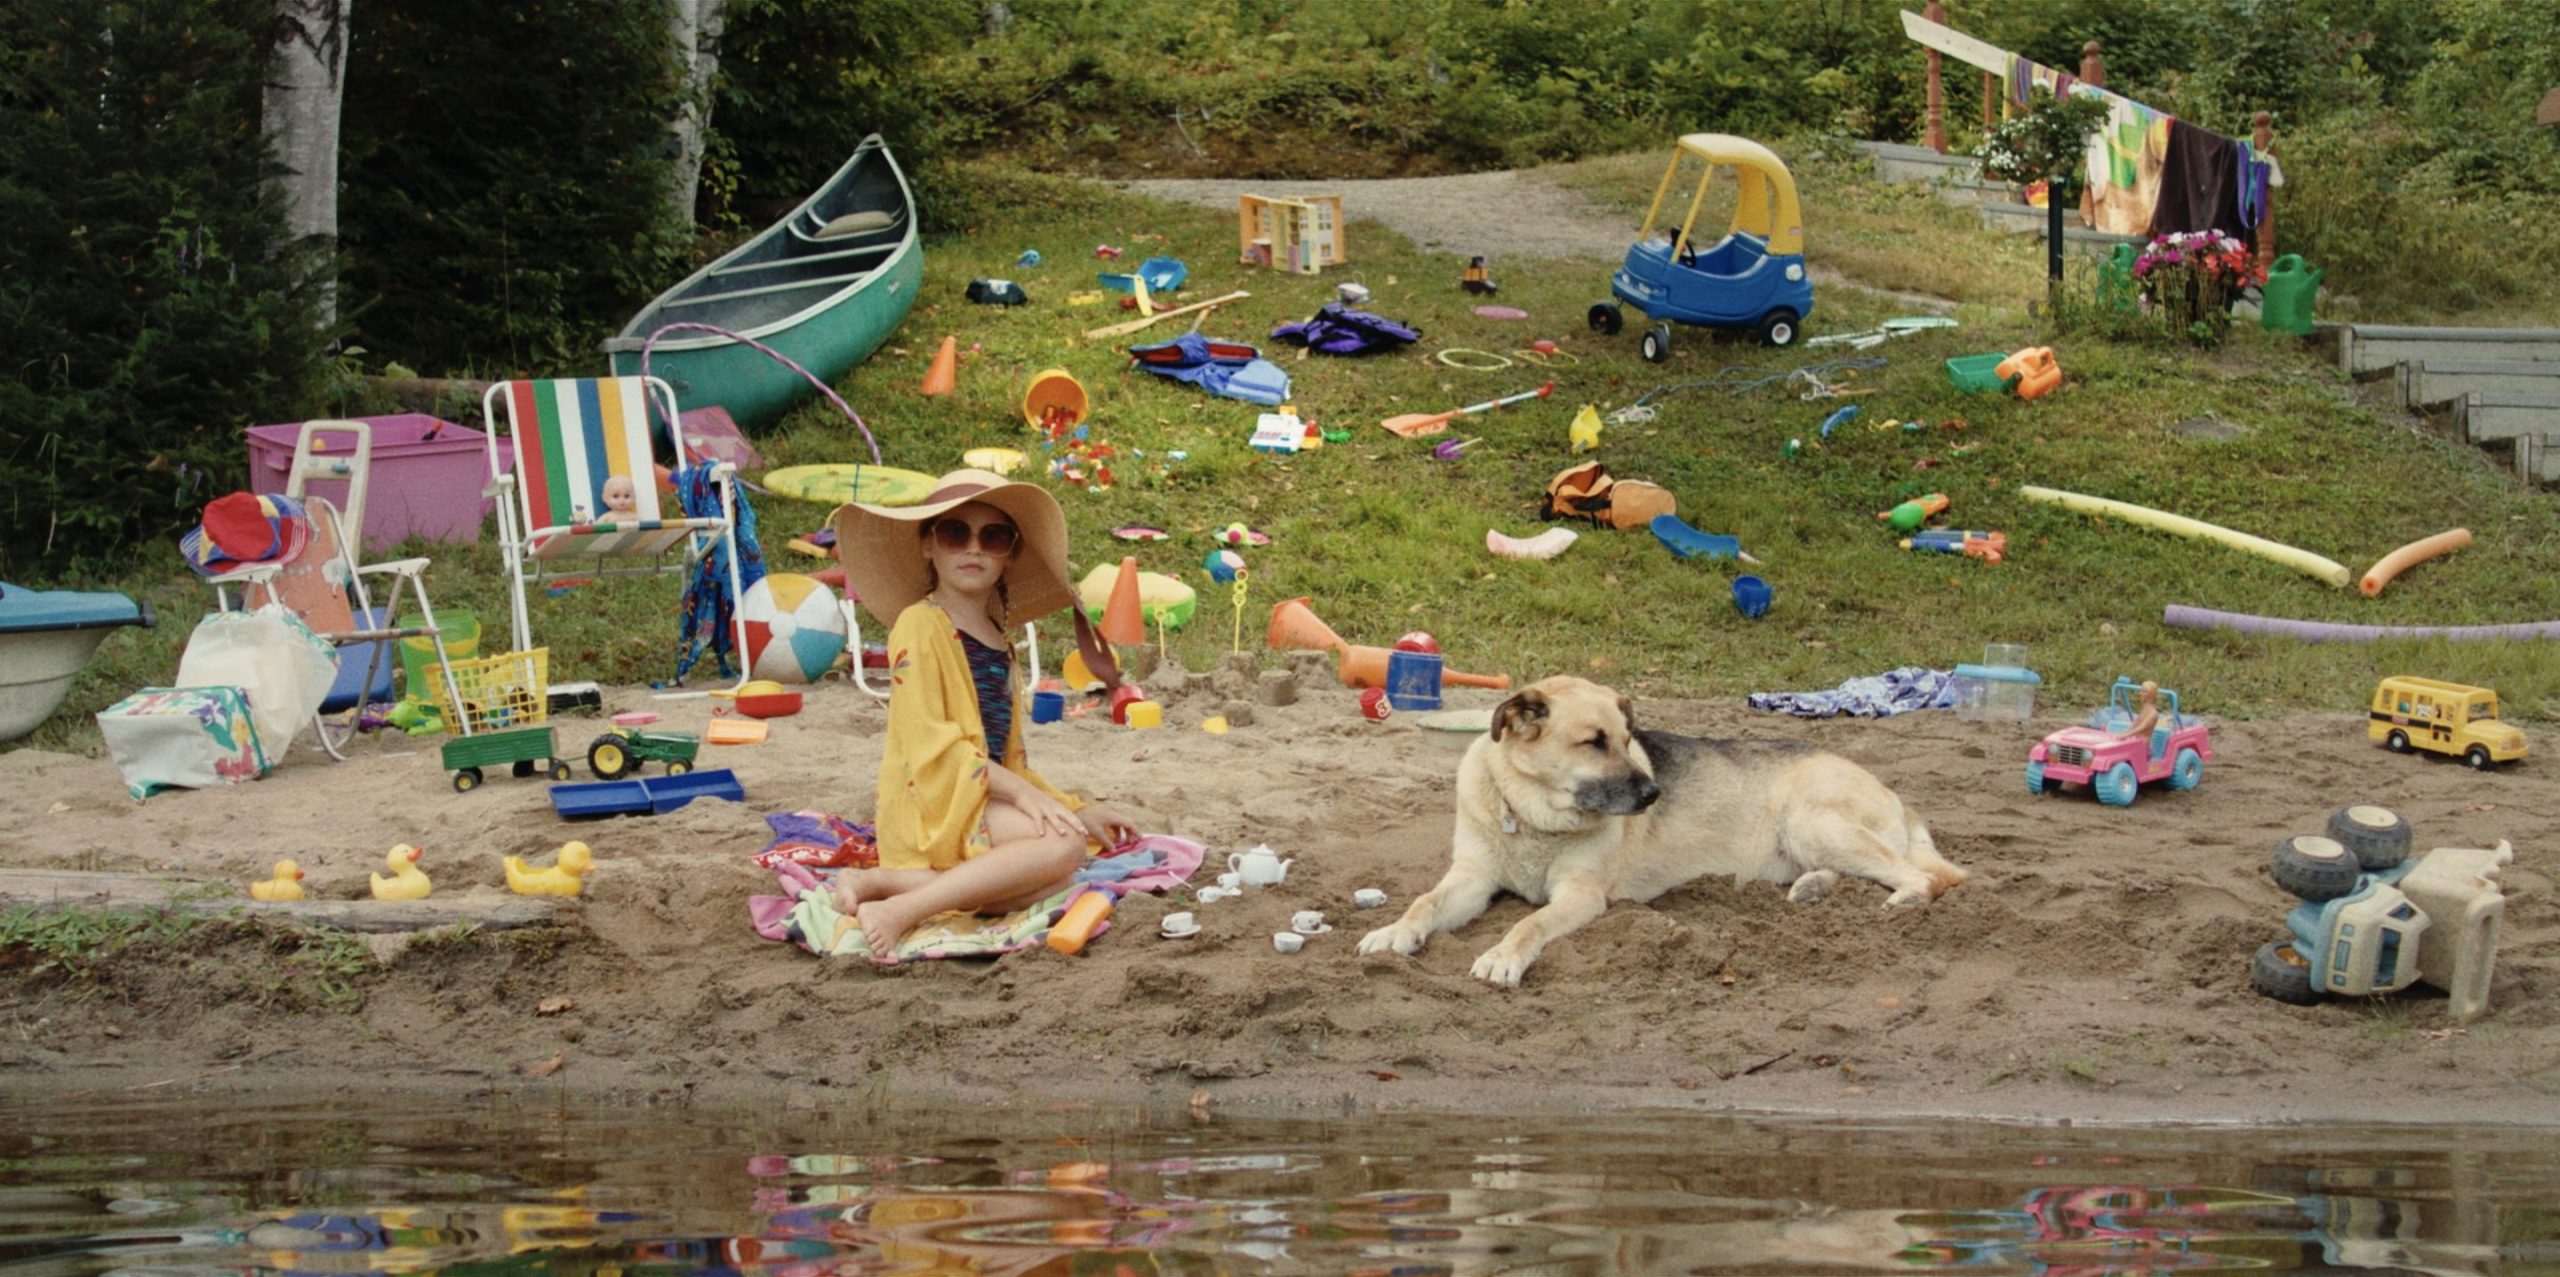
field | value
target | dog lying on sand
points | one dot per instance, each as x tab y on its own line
1566	804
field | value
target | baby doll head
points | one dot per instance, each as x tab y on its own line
620	496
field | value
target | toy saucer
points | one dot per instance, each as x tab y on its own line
1140	532
1171	934
1501	312
1456	720
635	718
1250	536
836	484
1313	931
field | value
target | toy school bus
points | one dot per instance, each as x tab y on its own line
2448	718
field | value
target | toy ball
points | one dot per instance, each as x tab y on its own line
1222	565
795	631
1418	641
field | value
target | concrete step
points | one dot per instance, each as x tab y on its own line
2027	219
2538	458
1965	193
2435	381
2365	349
1896	162
2499	417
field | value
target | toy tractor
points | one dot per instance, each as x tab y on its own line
1752	280
2112	760
2355	933
524	749
618	754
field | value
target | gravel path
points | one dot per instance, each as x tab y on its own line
1518	213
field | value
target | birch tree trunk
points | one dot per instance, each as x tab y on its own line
306	85
696	26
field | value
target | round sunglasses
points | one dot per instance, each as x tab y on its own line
955	535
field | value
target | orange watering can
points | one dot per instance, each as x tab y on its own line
2030	372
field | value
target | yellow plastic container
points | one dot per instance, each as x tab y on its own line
499	692
1082	918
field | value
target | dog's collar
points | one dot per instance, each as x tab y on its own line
1510	823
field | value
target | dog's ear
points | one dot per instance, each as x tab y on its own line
1525	714
1627	711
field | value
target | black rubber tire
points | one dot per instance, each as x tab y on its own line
2478	757
1657	344
2314	867
678	767
466	780
2397	742
609	757
2377	835
2280	972
1780	327
559	769
523	768
1606	319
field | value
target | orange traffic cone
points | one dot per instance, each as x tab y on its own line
944	376
1293	625
1122	622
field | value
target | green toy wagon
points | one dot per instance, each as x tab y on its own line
618	754
527	749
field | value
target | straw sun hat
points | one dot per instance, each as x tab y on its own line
884	559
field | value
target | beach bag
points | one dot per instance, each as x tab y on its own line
269	654
1590	493
182	738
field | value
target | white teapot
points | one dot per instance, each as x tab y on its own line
1261	866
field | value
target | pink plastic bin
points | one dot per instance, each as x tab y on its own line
422	486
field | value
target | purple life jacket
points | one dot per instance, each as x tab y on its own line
1338	330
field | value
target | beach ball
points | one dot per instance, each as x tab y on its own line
1222	565
795	631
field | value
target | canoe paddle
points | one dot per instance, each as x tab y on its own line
1414	424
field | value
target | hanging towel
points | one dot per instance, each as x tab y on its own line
2199	184
2125	156
2251	177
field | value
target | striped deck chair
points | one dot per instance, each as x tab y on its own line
583	495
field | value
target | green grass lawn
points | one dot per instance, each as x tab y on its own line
1386	539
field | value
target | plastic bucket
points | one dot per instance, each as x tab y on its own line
461	627
1975	374
1054	389
1752	596
1413	680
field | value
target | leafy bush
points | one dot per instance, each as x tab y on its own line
149	304
506	166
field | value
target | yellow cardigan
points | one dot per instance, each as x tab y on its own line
932	803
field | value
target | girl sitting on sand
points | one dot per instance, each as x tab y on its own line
963	822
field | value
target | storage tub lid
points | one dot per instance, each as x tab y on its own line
2000	674
23	610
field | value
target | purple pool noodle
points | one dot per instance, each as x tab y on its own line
2178	616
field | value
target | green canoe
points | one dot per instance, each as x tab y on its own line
824	287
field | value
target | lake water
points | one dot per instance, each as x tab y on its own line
368	1186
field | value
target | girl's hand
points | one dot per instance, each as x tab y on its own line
1107	825
1047	813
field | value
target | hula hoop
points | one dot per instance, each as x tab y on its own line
2181	617
1499	363
1545	358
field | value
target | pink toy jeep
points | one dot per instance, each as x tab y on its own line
2115	766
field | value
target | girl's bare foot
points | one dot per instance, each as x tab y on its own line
885	923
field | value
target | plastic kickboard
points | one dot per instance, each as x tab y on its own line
1689	543
654	797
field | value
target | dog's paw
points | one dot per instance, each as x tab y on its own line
1812	887
1393	938
1500	966
1906	896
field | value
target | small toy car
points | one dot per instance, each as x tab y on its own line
1753	280
2448	718
526	749
2111	760
615	755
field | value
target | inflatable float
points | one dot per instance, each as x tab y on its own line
2302	561
2180	617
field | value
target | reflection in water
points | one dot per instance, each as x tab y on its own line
181	1194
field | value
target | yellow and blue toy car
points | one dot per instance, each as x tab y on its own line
1753	280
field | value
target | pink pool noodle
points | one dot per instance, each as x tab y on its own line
2409	556
2179	617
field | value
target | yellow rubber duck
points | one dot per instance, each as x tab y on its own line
405	882
560	880
286	885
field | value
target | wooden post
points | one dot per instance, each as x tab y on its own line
1990	100
1937	136
2262	136
2093	69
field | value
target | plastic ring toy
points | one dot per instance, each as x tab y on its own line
1499	363
1545	358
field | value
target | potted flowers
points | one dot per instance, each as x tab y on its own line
2191	278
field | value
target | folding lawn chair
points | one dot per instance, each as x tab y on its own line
324	583
584	489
